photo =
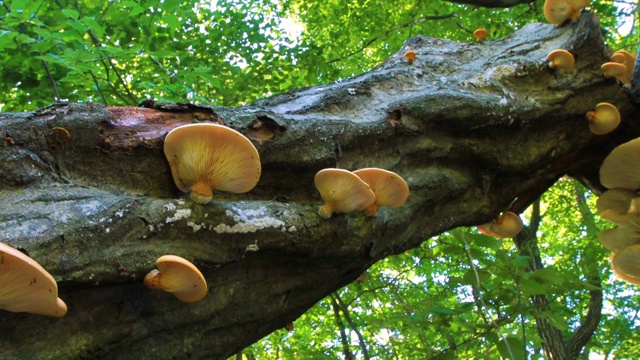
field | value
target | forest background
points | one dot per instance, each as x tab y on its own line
459	294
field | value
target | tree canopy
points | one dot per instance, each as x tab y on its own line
459	294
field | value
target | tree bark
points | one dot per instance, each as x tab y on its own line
475	129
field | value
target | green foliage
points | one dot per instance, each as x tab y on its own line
227	52
461	294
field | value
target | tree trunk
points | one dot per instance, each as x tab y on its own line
473	128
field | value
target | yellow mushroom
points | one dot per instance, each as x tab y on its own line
178	276
603	119
618	71
389	188
480	35
507	225
410	56
342	191
621	168
25	286
626	264
205	157
560	59
558	11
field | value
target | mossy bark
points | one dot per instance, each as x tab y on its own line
475	129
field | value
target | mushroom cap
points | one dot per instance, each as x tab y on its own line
617	200
559	11
178	276
204	157
618	238
507	225
342	191
614	70
561	59
480	34
25	286
410	55
604	119
389	188
626	264
621	168
624	57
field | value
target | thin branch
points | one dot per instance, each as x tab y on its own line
348	355
345	312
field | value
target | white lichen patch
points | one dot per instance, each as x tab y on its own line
248	221
179	215
196	227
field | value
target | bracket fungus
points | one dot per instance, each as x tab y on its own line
626	264
342	191
604	119
507	225
480	35
205	157
389	188
561	60
178	276
618	71
621	168
25	286
558	11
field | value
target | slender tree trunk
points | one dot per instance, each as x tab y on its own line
472	127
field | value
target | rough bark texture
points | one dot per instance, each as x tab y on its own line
473	128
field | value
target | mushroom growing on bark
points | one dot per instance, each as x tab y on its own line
342	191
25	286
410	56
205	157
178	276
621	168
626	264
389	188
618	71
507	225
561	60
604	119
480	34
559	11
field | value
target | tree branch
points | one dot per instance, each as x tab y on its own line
345	312
348	355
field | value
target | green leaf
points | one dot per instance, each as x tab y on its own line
70	13
513	348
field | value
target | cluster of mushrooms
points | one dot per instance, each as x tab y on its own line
203	158
207	157
620	173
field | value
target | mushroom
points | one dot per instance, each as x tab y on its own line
618	71
205	157
507	225
25	286
621	168
410	56
342	191
561	60
617	200
178	276
389	188
626	264
604	119
624	57
480	34
618	238
559	11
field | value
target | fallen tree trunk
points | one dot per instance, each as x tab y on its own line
475	129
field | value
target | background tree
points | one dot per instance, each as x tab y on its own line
233	53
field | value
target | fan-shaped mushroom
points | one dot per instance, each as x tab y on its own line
342	191
621	168
559	11
205	157
178	276
389	188
626	264
618	71
410	56
561	60
25	286
604	119
507	225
